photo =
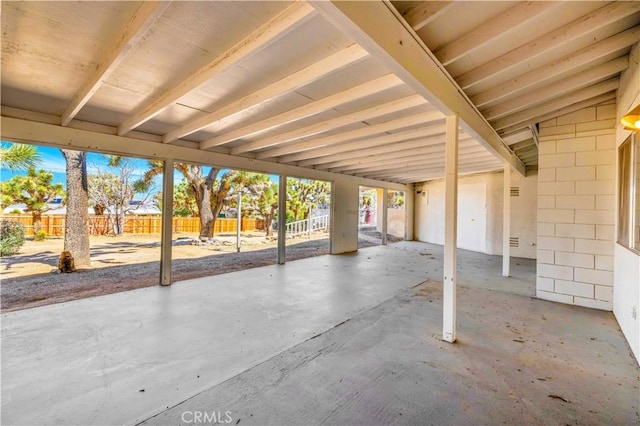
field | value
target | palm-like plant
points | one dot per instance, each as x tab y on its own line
18	156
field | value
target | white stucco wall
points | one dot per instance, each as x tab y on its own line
626	264
480	203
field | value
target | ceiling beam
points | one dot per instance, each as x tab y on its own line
590	22
388	126
433	172
26	131
318	154
558	89
142	19
416	154
439	174
527	124
495	27
436	139
332	123
556	104
293	81
581	57
377	27
271	31
424	12
370	87
434	163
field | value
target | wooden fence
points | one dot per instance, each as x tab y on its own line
53	225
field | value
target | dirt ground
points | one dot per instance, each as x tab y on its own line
31	278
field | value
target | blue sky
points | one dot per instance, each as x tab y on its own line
51	159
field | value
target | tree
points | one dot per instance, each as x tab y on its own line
305	193
112	193
211	193
76	229
266	203
19	156
34	190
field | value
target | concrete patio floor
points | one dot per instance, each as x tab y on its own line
271	345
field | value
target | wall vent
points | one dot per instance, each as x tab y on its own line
515	191
514	242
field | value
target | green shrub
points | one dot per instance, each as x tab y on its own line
11	237
40	236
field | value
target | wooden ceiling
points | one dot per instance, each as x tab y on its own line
360	88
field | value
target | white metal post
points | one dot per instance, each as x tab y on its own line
450	230
506	222
282	218
309	221
166	237
385	215
239	220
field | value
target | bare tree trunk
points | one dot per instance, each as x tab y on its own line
207	219
76	230
268	219
36	219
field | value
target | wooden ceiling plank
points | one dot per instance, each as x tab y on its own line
143	18
318	154
567	63
378	27
313	72
438	167
332	123
409	121
271	31
516	15
590	22
424	12
371	87
363	152
559	88
556	104
418	154
417	164
562	111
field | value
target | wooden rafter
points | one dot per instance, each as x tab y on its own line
375	86
424	12
556	104
293	81
333	123
574	60
401	123
518	14
558	89
590	22
269	32
143	18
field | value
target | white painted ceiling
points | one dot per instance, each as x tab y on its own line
280	81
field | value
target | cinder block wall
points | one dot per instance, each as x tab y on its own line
576	208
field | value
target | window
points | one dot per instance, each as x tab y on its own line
628	197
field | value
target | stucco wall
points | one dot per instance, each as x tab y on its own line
480	205
626	264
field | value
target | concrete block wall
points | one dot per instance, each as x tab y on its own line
576	208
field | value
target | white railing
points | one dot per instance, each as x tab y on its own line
306	226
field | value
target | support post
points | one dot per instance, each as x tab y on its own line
239	226
450	230
506	222
166	237
282	218
385	215
309	222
